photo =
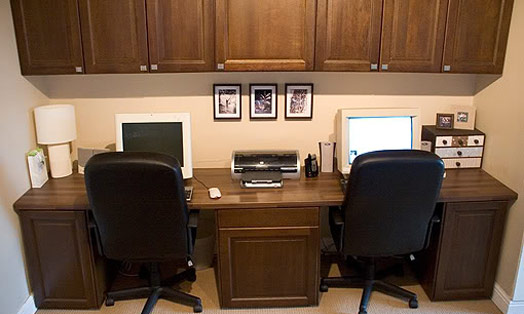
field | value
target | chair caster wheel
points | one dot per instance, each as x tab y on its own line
110	302
324	288
191	277
413	303
197	308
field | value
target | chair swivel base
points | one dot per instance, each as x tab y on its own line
369	286
157	290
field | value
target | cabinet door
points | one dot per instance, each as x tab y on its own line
181	35
469	250
275	267
60	261
477	35
114	36
48	36
413	35
269	35
348	35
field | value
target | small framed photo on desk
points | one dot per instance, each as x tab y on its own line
445	121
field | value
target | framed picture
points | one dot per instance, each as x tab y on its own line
227	101
445	121
263	101
464	117
299	101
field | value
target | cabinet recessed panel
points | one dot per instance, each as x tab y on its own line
181	34
48	36
114	36
348	34
266	35
477	35
413	35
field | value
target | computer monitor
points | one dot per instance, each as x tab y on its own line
361	131
168	133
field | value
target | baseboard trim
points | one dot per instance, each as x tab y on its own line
504	302
29	306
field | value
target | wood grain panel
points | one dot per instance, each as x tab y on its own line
463	185
413	35
348	35
268	217
114	35
48	36
277	267
181	35
477	35
269	35
59	260
469	251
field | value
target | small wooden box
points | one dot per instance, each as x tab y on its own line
458	148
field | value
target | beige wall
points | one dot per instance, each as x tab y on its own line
16	138
501	115
212	141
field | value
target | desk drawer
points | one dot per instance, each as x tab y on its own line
457	163
459	152
268	217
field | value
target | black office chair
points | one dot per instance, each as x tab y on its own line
139	206
388	211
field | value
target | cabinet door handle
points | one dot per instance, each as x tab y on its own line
445	142
385	67
79	70
459	153
458	164
143	68
374	66
476	142
154	67
447	68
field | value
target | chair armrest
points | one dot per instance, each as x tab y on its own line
336	225
337	217
434	220
193	219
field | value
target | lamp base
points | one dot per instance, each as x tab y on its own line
60	160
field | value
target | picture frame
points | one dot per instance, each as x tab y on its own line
263	101
227	101
464	117
445	121
299	101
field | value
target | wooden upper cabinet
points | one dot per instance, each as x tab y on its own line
48	36
477	35
114	36
348	35
413	35
269	35
181	35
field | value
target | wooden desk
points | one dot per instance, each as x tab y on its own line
268	239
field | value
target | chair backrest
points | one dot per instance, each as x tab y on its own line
390	200
139	206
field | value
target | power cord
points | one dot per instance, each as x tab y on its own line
199	181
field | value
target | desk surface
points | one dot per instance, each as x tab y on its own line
460	185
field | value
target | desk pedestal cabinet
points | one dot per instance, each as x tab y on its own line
268	257
64	266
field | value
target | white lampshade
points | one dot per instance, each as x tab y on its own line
55	124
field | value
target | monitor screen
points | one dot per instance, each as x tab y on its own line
157	137
367	134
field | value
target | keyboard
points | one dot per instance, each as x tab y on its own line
189	193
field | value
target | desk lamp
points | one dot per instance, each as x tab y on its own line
56	127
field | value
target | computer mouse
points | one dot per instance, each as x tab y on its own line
214	193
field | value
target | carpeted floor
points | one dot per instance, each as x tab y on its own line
336	301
